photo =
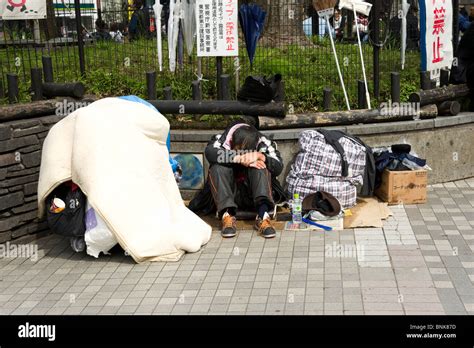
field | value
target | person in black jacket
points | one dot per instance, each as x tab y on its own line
462	70
244	165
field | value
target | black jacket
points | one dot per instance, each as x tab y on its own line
218	151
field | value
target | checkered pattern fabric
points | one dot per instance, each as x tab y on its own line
318	167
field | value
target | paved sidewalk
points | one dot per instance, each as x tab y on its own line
421	262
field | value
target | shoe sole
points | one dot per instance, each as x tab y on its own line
267	236
228	235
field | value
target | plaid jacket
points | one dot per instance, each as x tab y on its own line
318	167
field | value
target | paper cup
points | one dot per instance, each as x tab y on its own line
57	205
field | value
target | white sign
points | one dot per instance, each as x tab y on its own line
217	28
22	9
436	24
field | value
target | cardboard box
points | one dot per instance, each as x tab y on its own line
408	187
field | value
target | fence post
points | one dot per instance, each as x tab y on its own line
314	22
219	73
395	87
361	96
167	93
36	84
425	80
13	92
196	90
376	48
80	42
444	77
327	98
2	92
151	85
225	88
47	69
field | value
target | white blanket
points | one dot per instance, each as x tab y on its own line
115	150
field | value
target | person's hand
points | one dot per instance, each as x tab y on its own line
247	158
258	165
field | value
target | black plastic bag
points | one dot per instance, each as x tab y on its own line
70	221
259	89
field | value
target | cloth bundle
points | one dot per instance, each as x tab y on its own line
319	167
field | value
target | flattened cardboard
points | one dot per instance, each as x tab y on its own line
369	212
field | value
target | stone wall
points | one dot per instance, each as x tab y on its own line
20	157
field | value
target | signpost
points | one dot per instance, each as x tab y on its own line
217	31
436	26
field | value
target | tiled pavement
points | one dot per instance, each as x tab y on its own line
421	262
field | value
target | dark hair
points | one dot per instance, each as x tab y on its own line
246	138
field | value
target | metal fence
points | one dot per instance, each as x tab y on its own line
295	43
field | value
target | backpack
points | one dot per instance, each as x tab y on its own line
259	89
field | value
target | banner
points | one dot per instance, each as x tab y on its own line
217	28
22	9
436	28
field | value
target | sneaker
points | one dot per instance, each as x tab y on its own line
229	229
264	227
78	244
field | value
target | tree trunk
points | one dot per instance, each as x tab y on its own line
284	23
48	25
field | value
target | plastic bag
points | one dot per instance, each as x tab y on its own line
98	236
70	221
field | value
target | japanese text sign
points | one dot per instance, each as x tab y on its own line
436	24
217	28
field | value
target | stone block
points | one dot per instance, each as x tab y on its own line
31	206
5	132
32	159
51	120
22	172
19	181
22	132
24	230
24	124
30	188
29	149
14	144
31	198
32	215
5	236
8	159
15	188
11	200
42	135
9	223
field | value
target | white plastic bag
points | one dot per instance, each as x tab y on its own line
98	236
